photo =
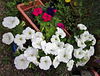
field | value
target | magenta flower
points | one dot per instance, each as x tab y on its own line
46	17
37	11
60	25
55	10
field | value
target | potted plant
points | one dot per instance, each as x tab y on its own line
22	8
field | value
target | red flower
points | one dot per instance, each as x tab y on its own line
60	25
55	10
46	17
37	11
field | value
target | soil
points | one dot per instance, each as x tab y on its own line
32	17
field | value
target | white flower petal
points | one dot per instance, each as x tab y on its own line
45	63
60	32
79	53
64	55
37	35
28	32
21	62
36	43
70	64
31	54
56	62
8	38
19	39
55	39
10	22
82	27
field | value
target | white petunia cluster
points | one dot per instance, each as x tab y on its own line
61	52
81	53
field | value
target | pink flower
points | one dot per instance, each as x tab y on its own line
55	10
37	11
46	17
60	25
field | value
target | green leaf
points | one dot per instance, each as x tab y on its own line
31	65
80	3
26	3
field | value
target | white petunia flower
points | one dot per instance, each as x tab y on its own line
94	41
79	53
37	35
60	45
69	47
60	32
51	48
36	43
28	32
19	39
55	39
91	51
64	55
7	38
83	61
21	62
43	45
80	42
56	62
31	54
10	22
85	36
82	27
70	65
45	63
36	62
21	48
90	37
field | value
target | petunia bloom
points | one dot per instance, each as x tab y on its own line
55	10
82	27
37	11
50	11
45	63
19	39
46	17
28	32
60	25
10	22
8	38
60	32
21	62
31	54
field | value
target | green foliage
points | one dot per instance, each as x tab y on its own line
72	41
47	28
77	31
18	29
12	7
6	60
31	65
